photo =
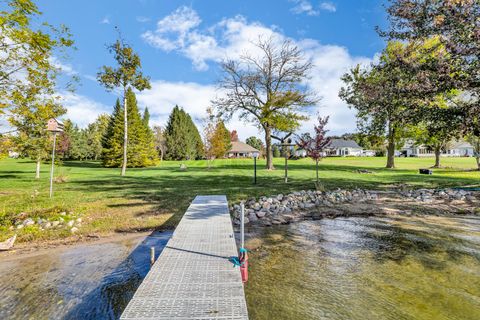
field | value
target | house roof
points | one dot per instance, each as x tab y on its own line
343	143
460	144
241	147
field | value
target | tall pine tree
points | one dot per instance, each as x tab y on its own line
183	140
140	147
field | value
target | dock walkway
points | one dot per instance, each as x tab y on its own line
193	277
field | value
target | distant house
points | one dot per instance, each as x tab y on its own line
368	153
13	154
302	153
455	149
241	150
343	147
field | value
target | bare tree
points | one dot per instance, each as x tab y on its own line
267	89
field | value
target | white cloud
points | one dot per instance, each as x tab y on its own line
82	110
63	67
230	38
306	7
303	6
173	30
328	6
105	20
142	19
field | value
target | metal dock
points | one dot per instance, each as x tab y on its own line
193	277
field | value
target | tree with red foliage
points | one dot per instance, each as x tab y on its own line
234	136
315	146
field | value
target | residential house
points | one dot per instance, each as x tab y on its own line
458	148
343	147
241	150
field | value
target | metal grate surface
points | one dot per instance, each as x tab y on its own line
192	278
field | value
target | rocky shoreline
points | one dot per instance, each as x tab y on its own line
312	204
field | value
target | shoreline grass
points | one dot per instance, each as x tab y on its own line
157	197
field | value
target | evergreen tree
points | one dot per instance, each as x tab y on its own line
112	141
183	140
140	146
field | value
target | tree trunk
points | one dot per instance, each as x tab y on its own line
478	163
125	134
437	156
37	171
316	160
268	145
391	148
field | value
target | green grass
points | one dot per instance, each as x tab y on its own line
157	197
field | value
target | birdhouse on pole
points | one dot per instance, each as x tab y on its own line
54	125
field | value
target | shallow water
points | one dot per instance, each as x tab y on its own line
93	281
366	268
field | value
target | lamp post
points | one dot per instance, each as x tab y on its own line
255	156
53	126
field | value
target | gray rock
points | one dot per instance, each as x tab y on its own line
252	217
28	222
70	223
261	214
266	205
55	223
74	230
47	225
20	226
79	220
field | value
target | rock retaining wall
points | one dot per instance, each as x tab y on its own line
282	209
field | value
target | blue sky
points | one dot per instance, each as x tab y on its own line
182	42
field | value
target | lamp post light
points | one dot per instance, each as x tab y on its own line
255	156
53	126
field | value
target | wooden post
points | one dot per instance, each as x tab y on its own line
53	163
152	256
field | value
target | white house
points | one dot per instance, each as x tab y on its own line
343	147
455	149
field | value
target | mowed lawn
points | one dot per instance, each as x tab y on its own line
157	197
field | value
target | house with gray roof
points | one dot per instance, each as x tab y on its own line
241	150
343	148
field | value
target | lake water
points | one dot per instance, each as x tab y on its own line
349	268
93	281
366	268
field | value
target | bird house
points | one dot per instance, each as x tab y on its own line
54	125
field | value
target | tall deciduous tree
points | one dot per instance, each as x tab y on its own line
32	137
315	146
455	24
438	124
125	76
267	89
386	95
27	65
219	141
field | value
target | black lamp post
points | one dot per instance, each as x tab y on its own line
255	156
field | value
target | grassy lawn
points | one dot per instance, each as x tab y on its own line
157	197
